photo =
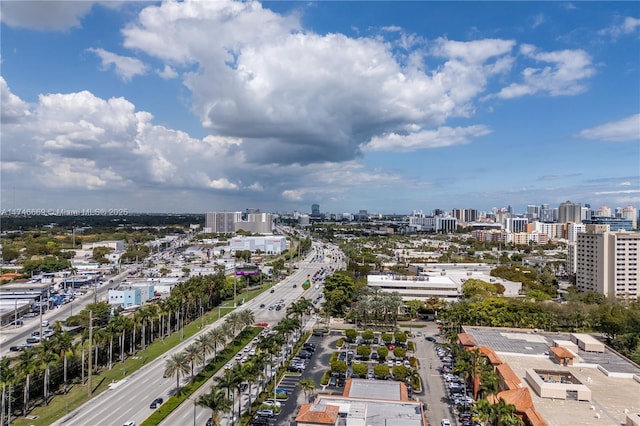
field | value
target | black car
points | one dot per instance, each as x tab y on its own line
305	354
262	305
310	345
156	403
15	348
272	290
257	421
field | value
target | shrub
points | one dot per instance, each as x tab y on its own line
360	369
399	352
338	367
340	342
400	372
383	352
325	378
364	350
414	362
411	346
381	371
386	338
368	335
400	336
351	334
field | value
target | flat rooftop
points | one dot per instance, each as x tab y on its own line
375	389
375	413
611	396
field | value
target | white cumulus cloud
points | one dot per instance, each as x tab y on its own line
625	130
125	67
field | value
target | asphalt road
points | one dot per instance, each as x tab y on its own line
434	393
129	399
184	415
13	336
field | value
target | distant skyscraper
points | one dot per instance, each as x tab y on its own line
533	212
570	212
631	213
315	209
548	214
603	211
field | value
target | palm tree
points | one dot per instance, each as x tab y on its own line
246	318
206	346
64	345
193	354
489	383
27	366
47	356
216	401
240	373
307	385
229	380
503	413
112	331
175	365
483	411
7	376
235	322
218	338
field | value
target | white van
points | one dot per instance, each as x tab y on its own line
45	323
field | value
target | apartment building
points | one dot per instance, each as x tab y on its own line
607	262
222	222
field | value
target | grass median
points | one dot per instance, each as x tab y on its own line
203	376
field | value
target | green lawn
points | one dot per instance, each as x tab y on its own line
60	405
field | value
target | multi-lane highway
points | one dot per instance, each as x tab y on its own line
129	399
12	336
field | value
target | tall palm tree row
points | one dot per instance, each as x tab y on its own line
61	361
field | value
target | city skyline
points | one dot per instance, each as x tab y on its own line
389	107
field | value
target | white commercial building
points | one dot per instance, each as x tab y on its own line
439	280
274	244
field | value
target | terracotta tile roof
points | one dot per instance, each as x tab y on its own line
465	339
510	379
521	399
562	352
318	414
494	359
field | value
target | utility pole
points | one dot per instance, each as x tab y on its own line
89	370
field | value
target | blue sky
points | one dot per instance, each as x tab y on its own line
385	106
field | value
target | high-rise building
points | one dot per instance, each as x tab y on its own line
515	224
257	223
533	211
631	213
222	222
570	212
607	262
315	209
465	215
603	211
548	214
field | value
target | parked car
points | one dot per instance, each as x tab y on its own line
156	403
273	402
265	413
